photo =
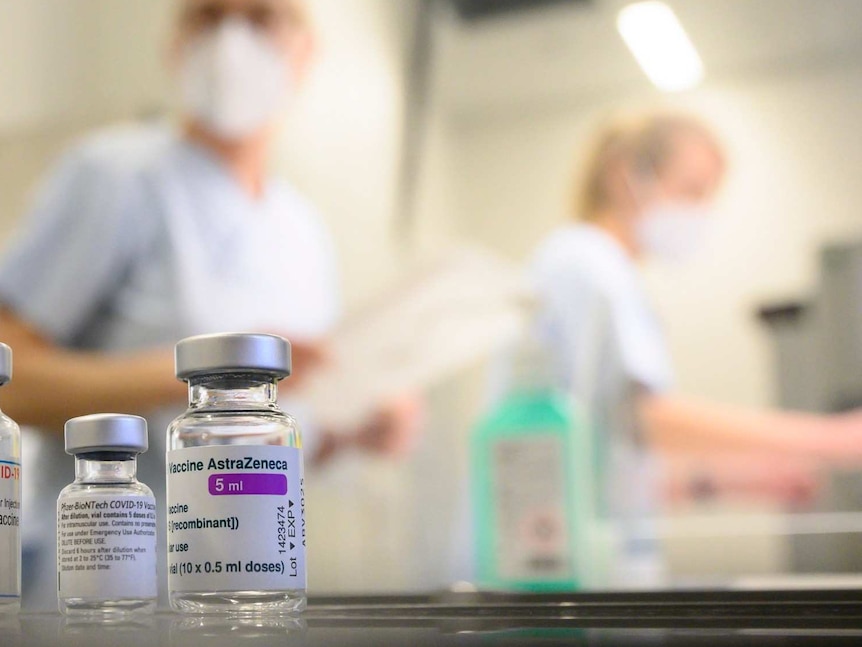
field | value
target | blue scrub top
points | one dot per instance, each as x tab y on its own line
139	238
609	347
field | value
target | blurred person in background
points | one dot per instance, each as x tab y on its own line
143	235
647	191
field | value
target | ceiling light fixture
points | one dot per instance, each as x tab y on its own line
660	45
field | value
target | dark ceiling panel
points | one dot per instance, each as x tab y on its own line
474	10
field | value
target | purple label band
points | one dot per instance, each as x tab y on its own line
247	484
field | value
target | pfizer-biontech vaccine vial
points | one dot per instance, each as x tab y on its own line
10	500
236	524
106	521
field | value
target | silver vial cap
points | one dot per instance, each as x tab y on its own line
5	364
106	432
233	353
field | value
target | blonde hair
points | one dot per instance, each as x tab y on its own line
644	142
303	13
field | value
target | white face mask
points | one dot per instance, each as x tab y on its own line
234	80
674	231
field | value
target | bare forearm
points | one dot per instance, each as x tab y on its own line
51	385
676	424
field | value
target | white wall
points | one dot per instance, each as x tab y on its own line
795	150
71	60
343	144
65	67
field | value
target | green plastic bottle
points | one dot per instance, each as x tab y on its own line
524	486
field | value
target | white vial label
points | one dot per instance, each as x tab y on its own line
10	523
532	526
106	547
236	519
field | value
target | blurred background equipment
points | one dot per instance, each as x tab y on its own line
817	347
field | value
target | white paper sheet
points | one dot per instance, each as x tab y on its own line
443	319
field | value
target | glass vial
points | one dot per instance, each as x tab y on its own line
236	503
106	521
10	500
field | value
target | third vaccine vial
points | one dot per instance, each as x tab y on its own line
10	499
236	525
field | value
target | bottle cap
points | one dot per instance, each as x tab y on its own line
106	432
233	353
5	364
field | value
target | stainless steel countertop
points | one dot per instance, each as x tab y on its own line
673	618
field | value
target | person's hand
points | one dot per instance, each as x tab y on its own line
788	482
393	429
307	357
774	479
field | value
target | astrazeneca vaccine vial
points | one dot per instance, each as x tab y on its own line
106	521
236	523
10	500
